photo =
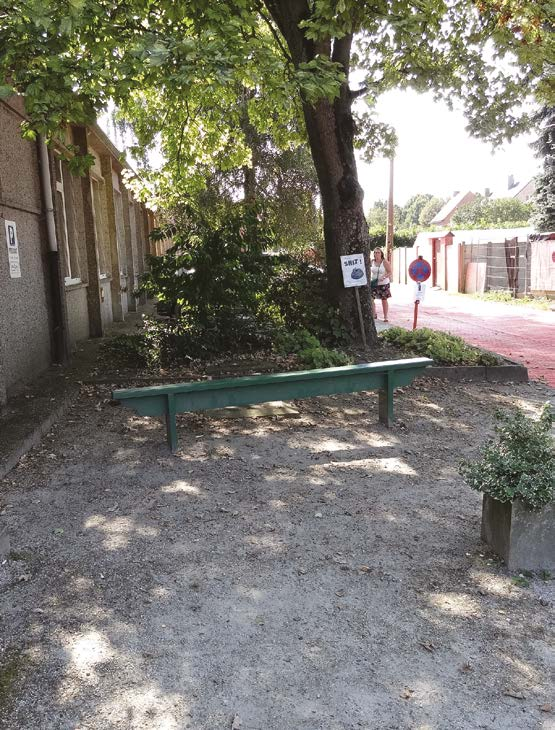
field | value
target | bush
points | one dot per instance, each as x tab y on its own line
287	343
299	290
221	330
443	348
520	465
310	352
320	357
401	238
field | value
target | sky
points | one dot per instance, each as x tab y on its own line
436	155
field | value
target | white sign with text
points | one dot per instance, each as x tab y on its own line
13	249
419	292
354	270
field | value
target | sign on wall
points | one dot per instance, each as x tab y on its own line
354	270
13	249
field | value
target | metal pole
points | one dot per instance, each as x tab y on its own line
415	314
360	319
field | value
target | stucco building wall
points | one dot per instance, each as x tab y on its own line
24	322
101	237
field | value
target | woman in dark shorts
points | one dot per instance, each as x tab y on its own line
379	282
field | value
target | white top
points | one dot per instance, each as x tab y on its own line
378	271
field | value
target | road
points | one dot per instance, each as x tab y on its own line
521	333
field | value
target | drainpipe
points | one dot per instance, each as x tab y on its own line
60	350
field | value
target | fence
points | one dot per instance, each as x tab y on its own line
500	266
400	260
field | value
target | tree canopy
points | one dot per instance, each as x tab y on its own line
544	197
184	72
178	69
492	213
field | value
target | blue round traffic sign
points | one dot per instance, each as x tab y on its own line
420	270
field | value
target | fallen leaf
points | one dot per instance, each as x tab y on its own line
546	708
467	667
428	646
514	693
340	593
365	568
407	693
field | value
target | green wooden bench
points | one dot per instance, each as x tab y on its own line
168	400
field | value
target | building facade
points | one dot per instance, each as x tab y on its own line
72	248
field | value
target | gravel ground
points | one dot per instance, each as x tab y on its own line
318	572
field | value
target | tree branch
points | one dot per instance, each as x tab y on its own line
342	51
359	92
274	32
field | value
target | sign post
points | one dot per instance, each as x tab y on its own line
419	271
354	275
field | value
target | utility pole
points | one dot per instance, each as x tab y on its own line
389	230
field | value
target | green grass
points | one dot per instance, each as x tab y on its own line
506	298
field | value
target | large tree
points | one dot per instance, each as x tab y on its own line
544	197
184	61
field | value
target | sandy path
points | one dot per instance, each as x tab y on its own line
311	572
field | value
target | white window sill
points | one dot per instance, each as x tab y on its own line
69	281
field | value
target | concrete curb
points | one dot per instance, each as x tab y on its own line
511	373
34	437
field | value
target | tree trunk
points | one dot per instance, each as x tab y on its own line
330	133
330	130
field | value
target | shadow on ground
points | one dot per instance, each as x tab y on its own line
315	572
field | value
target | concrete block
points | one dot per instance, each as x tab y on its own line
273	408
4	543
507	373
524	539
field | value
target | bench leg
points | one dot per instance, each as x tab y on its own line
386	400
171	426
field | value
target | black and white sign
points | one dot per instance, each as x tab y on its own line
13	249
354	270
419	292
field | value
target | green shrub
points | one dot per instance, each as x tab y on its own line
443	348
310	352
127	350
320	357
500	295
299	289
220	330
520	464
287	343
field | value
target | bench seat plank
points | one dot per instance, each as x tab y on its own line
168	400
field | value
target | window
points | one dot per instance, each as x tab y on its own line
67	234
120	232
101	226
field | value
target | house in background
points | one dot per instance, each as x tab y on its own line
445	215
71	248
473	260
512	188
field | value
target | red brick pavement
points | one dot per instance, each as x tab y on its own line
521	333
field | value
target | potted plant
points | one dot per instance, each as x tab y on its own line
516	474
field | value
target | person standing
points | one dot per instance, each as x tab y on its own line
380	274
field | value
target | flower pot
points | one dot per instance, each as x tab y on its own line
524	539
